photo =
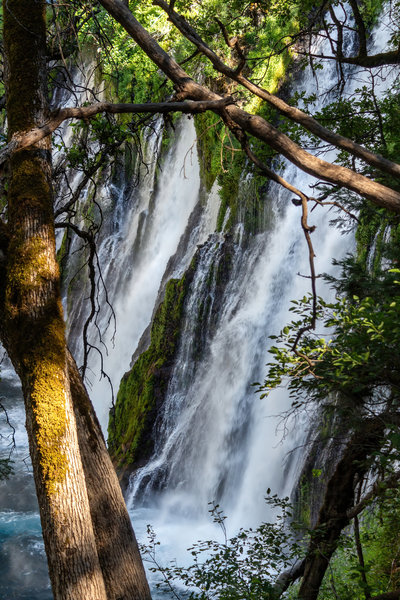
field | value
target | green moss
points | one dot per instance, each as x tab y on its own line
39	342
208	147
62	251
29	184
303	504
221	158
130	160
370	237
30	263
143	388
365	235
47	400
229	192
244	198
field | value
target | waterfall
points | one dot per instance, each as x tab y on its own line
134	258
216	440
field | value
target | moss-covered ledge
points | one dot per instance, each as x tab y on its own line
143	389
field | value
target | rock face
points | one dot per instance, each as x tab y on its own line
143	388
325	445
190	303
134	421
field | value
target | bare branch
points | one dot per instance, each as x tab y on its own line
291	112
378	489
88	174
288	577
12	443
89	239
224	31
18	142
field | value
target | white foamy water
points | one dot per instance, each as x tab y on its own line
148	235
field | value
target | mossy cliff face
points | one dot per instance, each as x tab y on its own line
143	388
378	238
228	169
243	190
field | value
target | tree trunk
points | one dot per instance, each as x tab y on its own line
338	500
34	326
120	561
33	333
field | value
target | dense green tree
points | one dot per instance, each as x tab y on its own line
351	374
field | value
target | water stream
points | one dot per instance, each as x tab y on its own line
216	440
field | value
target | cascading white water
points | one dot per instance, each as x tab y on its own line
134	260
145	228
217	440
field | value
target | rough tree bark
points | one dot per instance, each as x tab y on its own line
116	544
334	514
83	547
34	326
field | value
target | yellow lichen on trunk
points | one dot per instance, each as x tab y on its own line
48	403
34	331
